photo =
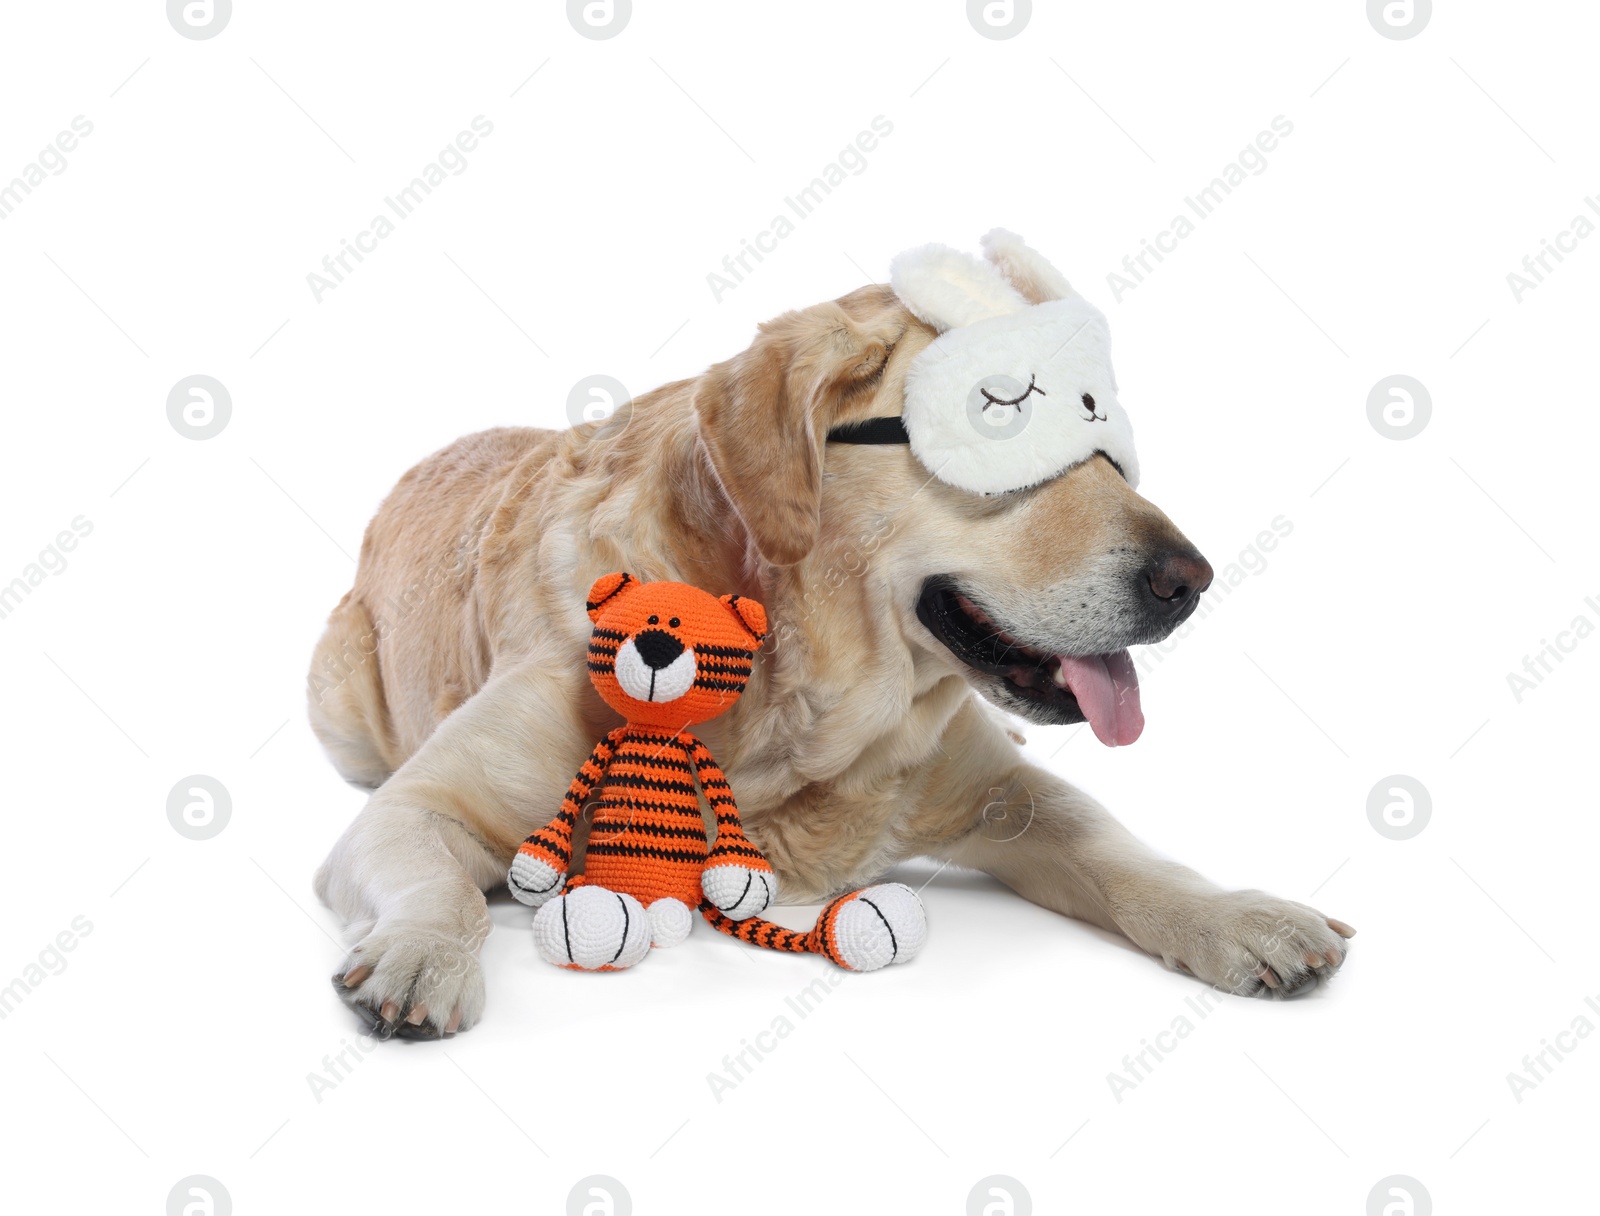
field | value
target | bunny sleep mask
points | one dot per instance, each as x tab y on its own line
1018	387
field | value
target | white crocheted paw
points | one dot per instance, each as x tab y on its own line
533	881
670	922
739	892
881	925
592	929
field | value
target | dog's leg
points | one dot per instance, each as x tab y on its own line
1059	848
409	873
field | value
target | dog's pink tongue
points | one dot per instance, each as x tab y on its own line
1107	689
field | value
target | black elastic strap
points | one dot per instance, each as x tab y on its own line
871	430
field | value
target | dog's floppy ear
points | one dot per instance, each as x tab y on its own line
764	416
751	615
605	591
1025	268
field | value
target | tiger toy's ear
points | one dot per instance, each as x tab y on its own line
751	615
606	589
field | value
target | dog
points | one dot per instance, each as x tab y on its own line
922	574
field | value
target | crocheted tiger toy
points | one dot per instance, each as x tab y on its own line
667	656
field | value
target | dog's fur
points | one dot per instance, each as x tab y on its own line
451	677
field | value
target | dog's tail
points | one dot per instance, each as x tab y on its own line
861	931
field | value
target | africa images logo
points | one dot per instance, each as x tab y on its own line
599	1195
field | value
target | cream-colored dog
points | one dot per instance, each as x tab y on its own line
905	606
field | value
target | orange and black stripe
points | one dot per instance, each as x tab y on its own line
603	647
649	838
552	843
722	668
732	846
757	932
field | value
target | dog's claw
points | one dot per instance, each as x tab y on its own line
356	976
1339	927
376	1026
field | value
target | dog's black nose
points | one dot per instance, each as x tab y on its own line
658	648
1173	582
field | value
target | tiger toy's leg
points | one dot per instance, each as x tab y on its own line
589	928
670	922
861	931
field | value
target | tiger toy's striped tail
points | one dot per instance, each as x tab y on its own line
861	931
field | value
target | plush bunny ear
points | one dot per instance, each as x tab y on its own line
1025	268
605	590
949	289
751	615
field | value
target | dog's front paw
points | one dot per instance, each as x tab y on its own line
1249	943
739	892
414	982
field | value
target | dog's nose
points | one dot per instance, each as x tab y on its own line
659	648
1175	581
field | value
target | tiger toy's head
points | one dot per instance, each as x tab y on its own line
667	654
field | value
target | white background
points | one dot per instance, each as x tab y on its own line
179	1036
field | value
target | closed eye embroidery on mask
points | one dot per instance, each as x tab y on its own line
990	399
995	344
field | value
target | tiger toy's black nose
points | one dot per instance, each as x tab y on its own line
657	647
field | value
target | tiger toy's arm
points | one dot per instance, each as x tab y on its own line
539	869
737	880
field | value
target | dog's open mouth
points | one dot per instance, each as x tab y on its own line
1101	689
